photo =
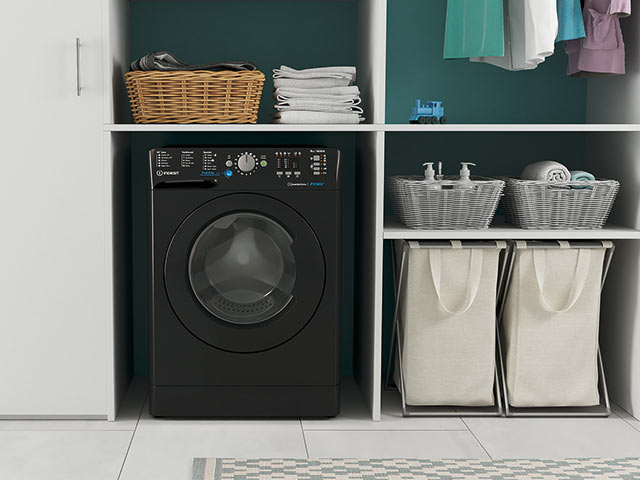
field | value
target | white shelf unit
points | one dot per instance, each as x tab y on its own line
394	230
614	100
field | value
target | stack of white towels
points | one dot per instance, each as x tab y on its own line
324	95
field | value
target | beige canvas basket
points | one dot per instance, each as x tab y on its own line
551	321
447	321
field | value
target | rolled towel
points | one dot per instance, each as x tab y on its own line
329	92
547	170
302	117
311	82
581	176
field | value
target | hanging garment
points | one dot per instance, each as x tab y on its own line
570	23
474	28
531	27
602	51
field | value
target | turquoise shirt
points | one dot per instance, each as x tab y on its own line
474	28
570	23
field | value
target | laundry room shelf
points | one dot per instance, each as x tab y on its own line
369	127
543	127
253	127
394	230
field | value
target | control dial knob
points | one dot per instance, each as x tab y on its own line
246	162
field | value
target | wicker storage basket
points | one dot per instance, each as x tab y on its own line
420	207
539	205
195	96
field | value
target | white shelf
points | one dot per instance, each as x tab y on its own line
513	128
252	127
368	127
393	230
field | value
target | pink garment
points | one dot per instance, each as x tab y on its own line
602	50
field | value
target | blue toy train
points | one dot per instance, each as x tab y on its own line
429	112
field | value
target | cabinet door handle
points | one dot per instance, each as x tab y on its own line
78	86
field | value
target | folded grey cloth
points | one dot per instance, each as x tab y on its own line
330	92
547	170
349	70
314	73
303	117
319	107
165	61
303	102
310	82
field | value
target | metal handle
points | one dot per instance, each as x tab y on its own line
78	86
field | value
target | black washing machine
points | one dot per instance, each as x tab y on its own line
245	297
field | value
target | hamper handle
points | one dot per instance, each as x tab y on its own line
579	279
78	84
475	272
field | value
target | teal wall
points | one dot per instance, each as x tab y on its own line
472	92
295	33
321	32
300	34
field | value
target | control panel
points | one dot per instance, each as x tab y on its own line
246	168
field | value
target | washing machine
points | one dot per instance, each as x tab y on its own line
245	281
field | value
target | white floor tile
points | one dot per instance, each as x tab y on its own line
626	416
126	419
164	449
62	455
556	437
354	415
392	444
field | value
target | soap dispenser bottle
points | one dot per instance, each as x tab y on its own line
429	177
465	176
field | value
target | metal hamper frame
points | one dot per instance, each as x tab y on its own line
504	274
602	410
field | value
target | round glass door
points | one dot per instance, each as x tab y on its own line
242	268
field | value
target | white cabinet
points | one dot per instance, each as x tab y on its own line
54	263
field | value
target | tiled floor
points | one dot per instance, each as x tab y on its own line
139	447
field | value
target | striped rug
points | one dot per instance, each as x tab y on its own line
409	469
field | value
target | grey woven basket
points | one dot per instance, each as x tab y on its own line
537	205
419	207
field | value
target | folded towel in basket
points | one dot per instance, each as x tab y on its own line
306	117
581	176
547	170
165	61
311	82
329	92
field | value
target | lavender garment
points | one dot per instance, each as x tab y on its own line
602	50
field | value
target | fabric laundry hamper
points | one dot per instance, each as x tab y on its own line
551	322
447	320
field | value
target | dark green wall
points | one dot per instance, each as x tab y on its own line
300	34
472	92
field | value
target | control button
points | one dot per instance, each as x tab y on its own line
279	174
229	163
228	173
263	163
297	174
288	174
246	163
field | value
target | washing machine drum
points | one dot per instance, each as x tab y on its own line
245	273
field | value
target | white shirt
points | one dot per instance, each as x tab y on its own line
531	27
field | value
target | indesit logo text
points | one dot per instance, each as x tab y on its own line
160	173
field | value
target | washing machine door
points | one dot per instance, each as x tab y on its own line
245	273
